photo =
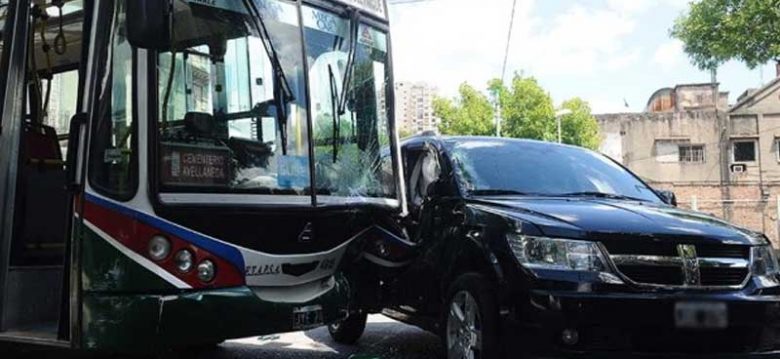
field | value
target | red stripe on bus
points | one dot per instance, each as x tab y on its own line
135	235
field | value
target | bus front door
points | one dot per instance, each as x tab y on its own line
41	88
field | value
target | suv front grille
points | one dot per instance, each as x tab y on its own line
680	264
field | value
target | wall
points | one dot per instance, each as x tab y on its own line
634	139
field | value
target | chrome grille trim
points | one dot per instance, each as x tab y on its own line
665	261
687	261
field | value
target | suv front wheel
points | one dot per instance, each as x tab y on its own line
471	319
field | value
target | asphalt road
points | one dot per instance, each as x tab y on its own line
383	338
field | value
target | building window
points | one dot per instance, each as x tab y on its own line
744	151
777	148
692	153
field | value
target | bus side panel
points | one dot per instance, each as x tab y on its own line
106	269
118	323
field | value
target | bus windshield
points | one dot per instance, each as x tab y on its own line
233	113
348	77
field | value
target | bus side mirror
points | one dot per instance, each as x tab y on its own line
149	24
77	130
668	197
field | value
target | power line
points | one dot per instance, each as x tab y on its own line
508	40
503	68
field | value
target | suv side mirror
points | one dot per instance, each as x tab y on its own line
149	24
668	197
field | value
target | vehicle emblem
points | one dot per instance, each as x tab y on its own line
690	264
307	234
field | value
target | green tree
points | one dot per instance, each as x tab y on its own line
527	110
715	31
580	127
469	114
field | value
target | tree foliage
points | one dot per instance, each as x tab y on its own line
470	114
715	31
580	127
527	111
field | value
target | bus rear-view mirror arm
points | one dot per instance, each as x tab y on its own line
76	131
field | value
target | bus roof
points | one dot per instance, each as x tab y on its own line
376	8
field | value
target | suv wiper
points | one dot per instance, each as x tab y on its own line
500	192
602	195
280	84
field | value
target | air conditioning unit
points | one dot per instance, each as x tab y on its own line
738	168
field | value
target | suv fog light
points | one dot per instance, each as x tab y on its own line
184	260
570	336
206	271
159	248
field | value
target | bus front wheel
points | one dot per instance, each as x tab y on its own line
349	330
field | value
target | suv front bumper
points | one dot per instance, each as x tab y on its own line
638	323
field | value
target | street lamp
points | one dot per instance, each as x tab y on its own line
560	113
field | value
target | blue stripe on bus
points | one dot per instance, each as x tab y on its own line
224	251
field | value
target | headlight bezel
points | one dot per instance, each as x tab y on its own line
759	255
578	256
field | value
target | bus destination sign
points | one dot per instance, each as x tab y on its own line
184	165
373	7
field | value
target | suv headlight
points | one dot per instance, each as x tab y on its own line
763	261
562	255
557	254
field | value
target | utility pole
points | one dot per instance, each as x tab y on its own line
558	118
503	68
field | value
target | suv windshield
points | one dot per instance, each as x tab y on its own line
506	167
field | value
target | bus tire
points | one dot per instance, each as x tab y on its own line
349	330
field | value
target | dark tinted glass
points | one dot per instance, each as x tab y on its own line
539	168
744	151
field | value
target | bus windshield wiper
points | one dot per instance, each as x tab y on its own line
601	195
336	116
282	92
354	22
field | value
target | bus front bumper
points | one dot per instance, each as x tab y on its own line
151	322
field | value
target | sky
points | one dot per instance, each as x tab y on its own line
608	52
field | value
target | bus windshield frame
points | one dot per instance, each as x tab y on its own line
227	132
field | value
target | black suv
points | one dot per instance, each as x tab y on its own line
531	247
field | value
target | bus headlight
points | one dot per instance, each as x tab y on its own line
206	271
557	254
159	248
764	261
183	260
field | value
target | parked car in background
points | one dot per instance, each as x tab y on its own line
531	247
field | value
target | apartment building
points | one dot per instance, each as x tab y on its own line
414	107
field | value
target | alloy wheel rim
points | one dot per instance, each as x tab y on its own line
464	328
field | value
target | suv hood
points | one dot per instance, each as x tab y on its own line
588	217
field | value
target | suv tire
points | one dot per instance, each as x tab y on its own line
470	320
